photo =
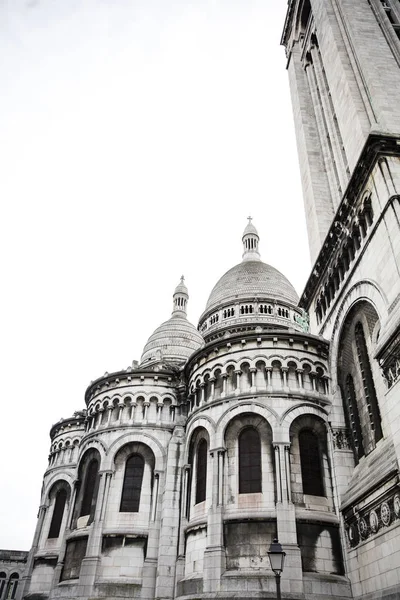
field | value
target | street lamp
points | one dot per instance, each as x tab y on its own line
277	560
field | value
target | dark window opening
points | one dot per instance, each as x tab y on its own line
90	485
249	461
74	554
368	383
58	514
201	471
132	485
311	471
354	418
12	586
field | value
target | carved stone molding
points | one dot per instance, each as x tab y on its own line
341	439
364	524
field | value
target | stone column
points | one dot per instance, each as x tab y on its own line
300	377
214	555
224	378
212	392
238	373
253	372
23	588
284	375
169	518
202	394
133	411
93	551
268	371
285	515
149	572
121	407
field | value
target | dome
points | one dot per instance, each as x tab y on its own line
173	341
248	279
176	339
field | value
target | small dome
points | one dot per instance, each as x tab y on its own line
250	229
173	341
176	339
252	278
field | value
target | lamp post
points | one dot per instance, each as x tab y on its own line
277	560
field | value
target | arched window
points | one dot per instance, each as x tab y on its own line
132	485
3	578
368	382
12	586
249	461
310	459
90	485
354	418
58	513
201	471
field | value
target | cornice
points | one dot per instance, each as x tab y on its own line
377	145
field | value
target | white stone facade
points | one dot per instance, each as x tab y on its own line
275	417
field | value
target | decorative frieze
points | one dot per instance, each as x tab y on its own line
373	519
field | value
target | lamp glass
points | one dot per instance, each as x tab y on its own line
276	557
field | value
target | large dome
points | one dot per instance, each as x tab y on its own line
252	279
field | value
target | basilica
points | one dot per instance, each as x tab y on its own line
277	417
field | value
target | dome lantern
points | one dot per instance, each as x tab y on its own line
250	241
180	299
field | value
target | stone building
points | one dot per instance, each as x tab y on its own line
12	567
277	416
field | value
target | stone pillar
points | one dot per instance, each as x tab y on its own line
212	392
23	588
214	555
169	518
238	373
284	376
253	372
93	551
149	572
286	518
110	410
268	371
300	377
202	396
224	378
133	410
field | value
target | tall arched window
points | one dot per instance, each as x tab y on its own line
12	586
58	513
354	418
201	471
368	382
249	461
310	459
3	578
90	486
132	485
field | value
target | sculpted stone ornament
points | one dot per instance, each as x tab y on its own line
303	321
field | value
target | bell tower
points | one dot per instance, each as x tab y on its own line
343	61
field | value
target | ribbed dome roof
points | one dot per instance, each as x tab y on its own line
176	339
252	278
173	341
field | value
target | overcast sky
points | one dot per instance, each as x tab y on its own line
136	136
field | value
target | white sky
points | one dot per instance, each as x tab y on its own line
136	136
